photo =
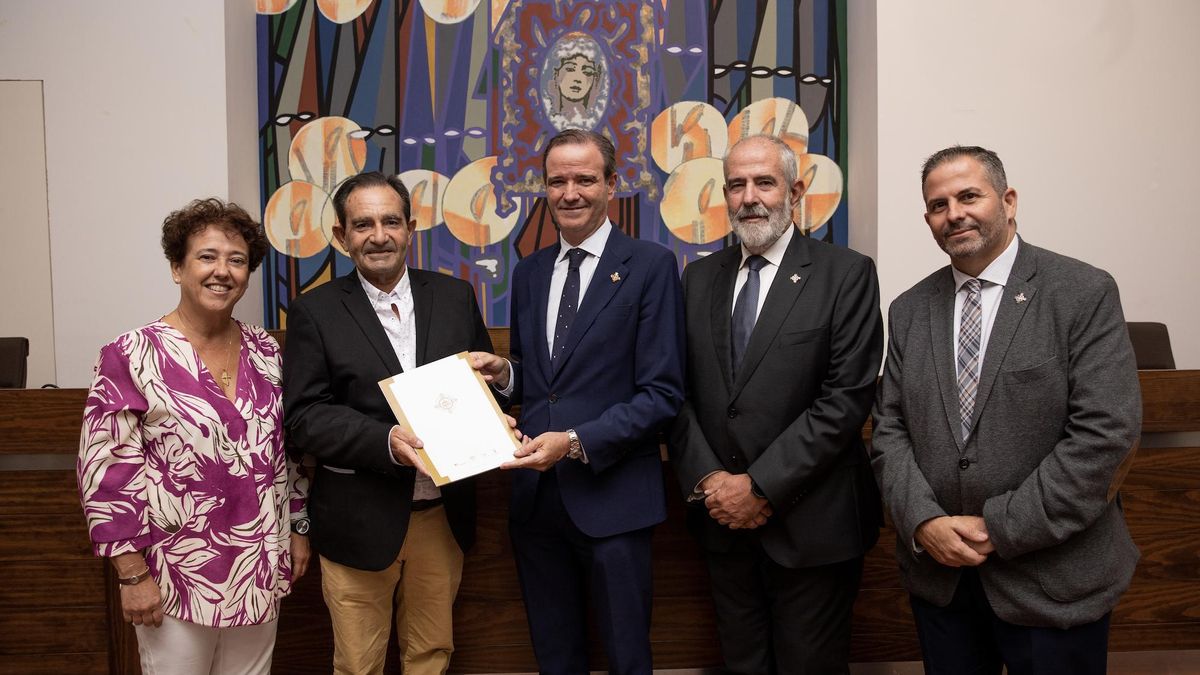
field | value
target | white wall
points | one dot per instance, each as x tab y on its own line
136	96
25	304
1094	106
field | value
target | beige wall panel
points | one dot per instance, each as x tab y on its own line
26	290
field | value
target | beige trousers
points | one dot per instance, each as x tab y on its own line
421	584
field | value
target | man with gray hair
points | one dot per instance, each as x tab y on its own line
784	342
1008	407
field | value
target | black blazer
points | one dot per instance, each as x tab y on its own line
335	355
793	416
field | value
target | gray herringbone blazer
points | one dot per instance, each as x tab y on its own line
1057	412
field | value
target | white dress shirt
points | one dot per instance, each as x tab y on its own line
395	313
594	245
992	281
766	275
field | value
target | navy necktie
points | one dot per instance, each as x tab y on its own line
745	309
569	304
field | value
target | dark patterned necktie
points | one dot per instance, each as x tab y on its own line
970	332
569	304
745	309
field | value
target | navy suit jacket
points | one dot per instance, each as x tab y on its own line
618	382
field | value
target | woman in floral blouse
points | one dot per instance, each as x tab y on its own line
182	473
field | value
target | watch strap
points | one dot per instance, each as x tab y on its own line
134	579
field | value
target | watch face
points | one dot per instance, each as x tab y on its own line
300	526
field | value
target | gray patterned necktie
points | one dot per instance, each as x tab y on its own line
970	331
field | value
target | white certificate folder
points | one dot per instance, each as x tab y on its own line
449	407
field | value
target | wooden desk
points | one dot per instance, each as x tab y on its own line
58	611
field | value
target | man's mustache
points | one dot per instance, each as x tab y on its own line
758	211
949	231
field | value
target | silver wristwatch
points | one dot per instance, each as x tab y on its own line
575	450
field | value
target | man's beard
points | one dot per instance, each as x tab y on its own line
758	237
988	234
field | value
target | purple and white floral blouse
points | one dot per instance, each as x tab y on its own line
168	465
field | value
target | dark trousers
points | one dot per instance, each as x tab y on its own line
561	569
773	619
967	637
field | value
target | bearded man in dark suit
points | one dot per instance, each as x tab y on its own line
784	342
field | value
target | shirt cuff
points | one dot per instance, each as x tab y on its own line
507	391
698	492
392	456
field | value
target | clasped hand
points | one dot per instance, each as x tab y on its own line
955	541
731	503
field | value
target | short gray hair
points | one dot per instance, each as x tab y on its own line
788	165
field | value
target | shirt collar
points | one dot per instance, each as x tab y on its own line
774	253
996	272
594	244
380	298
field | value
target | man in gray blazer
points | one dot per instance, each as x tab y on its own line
1008	409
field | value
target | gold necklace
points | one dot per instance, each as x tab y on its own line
226	378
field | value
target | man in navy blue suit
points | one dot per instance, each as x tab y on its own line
597	346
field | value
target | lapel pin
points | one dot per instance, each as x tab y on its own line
1020	298
615	276
795	278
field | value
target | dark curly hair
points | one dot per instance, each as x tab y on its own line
201	213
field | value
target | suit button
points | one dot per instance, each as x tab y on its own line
732	412
964	463
554	398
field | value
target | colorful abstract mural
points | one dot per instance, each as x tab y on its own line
458	97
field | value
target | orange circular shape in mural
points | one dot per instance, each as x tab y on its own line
469	206
449	11
685	131
273	6
328	218
292	219
324	153
775	117
823	182
693	204
426	190
343	11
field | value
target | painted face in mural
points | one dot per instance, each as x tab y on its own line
376	234
577	191
757	194
214	272
968	219
575	76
